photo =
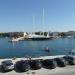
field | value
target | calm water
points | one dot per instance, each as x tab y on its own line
35	48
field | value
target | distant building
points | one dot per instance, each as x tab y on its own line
16	34
55	33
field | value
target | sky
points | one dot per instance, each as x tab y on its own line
17	15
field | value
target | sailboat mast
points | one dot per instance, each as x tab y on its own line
43	21
33	24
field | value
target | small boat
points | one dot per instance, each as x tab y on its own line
13	40
16	39
47	49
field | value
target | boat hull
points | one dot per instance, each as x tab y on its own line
38	39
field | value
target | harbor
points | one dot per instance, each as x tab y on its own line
36	48
37	37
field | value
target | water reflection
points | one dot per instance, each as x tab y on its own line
13	44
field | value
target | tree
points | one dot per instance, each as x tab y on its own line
62	34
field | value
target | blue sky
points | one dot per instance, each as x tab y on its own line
17	15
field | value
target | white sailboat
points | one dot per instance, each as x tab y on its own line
34	36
